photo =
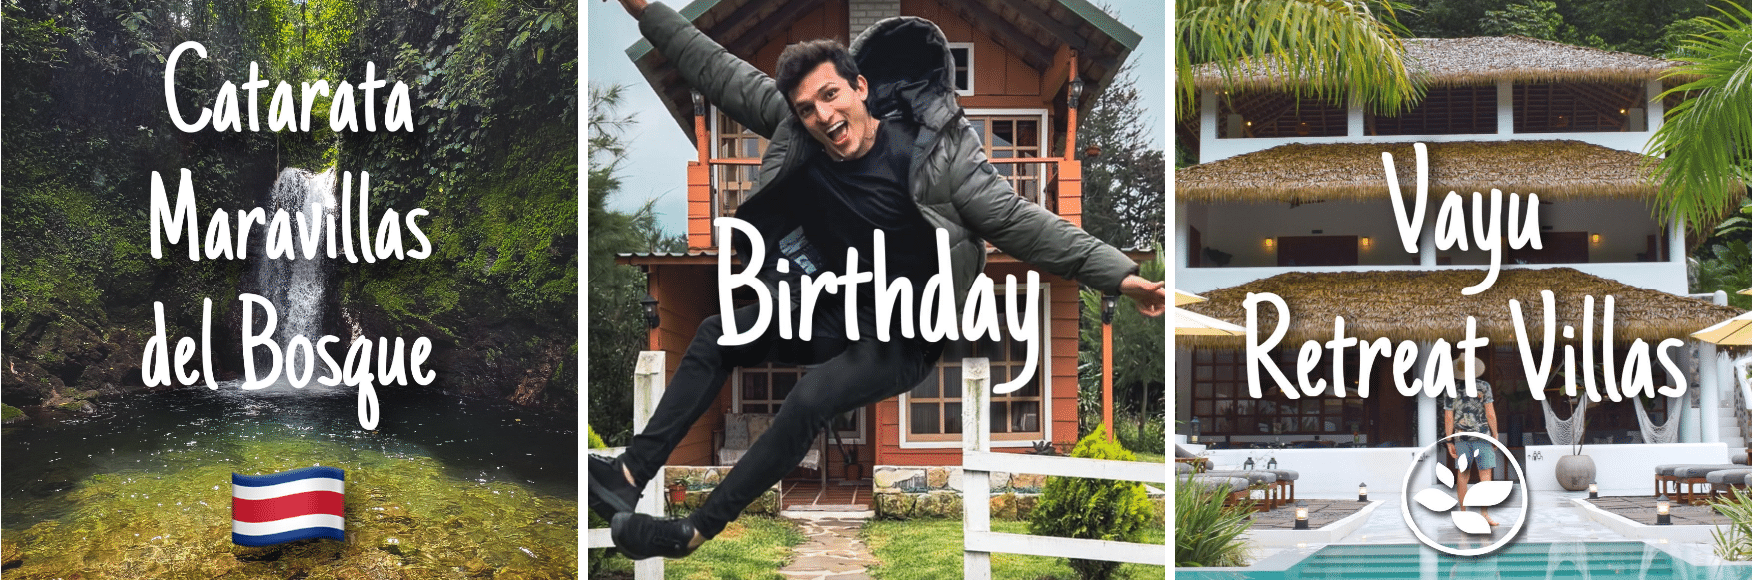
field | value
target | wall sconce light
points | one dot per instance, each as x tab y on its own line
1362	491
1076	89
1109	308
1267	243
1593	491
1623	111
1663	510
1365	241
1596	239
649	305
1249	123
1302	516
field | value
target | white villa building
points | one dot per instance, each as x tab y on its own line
1290	197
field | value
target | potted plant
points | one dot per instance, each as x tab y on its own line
678	490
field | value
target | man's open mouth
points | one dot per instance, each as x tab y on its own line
836	131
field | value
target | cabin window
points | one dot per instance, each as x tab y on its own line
963	59
933	410
1222	402
1577	107
1015	136
731	183
1246	114
1444	111
763	390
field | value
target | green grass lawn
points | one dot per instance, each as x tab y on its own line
933	550
1149	457
750	548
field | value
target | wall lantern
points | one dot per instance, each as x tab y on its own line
1596	239
1365	241
649	305
1074	91
1267	243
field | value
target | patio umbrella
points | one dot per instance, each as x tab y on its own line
1730	332
1184	297
1189	323
1743	291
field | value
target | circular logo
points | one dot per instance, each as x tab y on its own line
1444	498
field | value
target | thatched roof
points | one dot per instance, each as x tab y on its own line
1429	305
1481	60
1552	169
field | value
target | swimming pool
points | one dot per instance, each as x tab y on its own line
1518	560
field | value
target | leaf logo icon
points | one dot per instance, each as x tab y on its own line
1443	499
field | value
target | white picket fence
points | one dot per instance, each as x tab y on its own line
979	539
648	386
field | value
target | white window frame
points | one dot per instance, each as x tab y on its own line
1045	371
970	46
859	415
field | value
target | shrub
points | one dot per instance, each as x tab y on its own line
1207	530
1098	509
1733	543
1148	440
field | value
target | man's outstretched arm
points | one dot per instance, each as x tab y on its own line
744	92
1035	235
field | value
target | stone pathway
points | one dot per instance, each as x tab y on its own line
833	550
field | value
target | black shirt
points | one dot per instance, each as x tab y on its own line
840	203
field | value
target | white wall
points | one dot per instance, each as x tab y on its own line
1621	469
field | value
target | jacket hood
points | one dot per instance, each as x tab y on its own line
906	62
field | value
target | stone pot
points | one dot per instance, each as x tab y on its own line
1575	472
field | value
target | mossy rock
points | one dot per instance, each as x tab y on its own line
9	413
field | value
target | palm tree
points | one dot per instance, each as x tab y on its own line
1339	47
1705	140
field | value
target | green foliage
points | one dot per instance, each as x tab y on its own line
1123	185
593	440
1097	509
1138	349
1207	530
1704	141
1538	19
933	550
1141	434
9	412
1343	48
617	324
1732	542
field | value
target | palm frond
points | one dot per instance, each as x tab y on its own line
1704	142
1334	48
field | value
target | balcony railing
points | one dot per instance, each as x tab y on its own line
1033	178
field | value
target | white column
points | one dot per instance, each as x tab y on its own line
648	388
1209	125
1710	385
1179	257
1355	117
1654	110
1505	116
1690	415
1426	425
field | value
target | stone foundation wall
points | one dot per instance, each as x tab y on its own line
906	492
702	479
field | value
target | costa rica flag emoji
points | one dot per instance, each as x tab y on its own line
286	506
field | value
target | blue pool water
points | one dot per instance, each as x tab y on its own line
1519	560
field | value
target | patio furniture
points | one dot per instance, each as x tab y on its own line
741	429
1678	480
1236	489
1184	456
1259	480
1740	457
1286	483
1727	479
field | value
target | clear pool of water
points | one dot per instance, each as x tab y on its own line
1518	560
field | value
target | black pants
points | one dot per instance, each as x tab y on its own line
852	374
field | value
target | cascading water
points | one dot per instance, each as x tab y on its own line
294	284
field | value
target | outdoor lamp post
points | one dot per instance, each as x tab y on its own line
1593	490
1362	491
1108	365
1301	516
1663	510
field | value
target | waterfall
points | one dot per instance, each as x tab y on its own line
296	285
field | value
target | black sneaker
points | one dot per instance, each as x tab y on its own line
641	536
610	491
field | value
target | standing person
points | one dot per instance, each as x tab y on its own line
1464	414
888	150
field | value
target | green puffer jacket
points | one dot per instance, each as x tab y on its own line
907	65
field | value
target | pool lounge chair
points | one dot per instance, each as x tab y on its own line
1678	480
